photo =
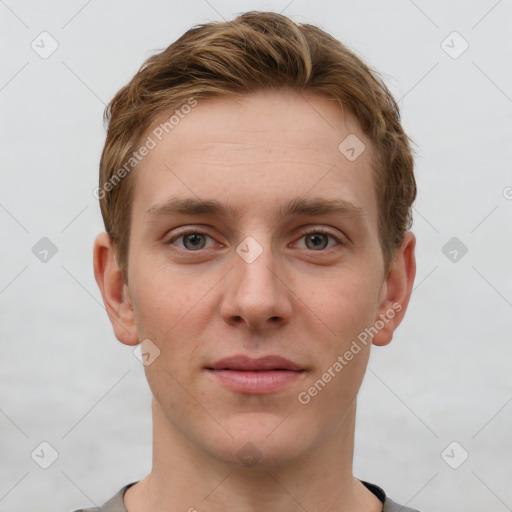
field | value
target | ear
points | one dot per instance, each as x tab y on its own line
115	293
396	290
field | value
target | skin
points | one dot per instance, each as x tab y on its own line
296	300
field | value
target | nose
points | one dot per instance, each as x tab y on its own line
256	291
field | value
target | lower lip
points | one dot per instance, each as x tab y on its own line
256	383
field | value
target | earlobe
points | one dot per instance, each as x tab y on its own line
397	289
115	293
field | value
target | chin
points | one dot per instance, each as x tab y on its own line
262	441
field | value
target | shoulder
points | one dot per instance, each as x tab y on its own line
114	504
391	506
388	504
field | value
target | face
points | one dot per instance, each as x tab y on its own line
254	238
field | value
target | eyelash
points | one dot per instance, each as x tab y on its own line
186	232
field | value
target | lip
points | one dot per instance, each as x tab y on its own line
259	376
245	363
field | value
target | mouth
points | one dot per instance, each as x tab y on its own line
244	363
259	376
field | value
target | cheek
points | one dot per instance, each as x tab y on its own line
162	299
173	311
348	302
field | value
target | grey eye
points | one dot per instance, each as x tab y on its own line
317	240
195	241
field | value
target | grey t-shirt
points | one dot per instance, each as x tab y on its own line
116	503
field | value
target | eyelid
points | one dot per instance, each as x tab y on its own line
320	229
186	230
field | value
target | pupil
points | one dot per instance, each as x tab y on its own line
194	239
316	239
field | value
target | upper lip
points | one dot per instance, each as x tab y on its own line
241	362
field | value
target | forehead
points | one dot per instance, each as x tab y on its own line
258	150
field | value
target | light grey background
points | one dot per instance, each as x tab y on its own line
445	377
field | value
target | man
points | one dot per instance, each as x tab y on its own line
256	187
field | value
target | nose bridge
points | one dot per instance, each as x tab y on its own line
255	292
254	266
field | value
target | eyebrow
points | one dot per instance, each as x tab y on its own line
296	206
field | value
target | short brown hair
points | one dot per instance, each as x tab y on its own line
256	51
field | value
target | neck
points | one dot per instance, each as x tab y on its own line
184	477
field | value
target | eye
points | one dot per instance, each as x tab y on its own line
192	240
318	239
